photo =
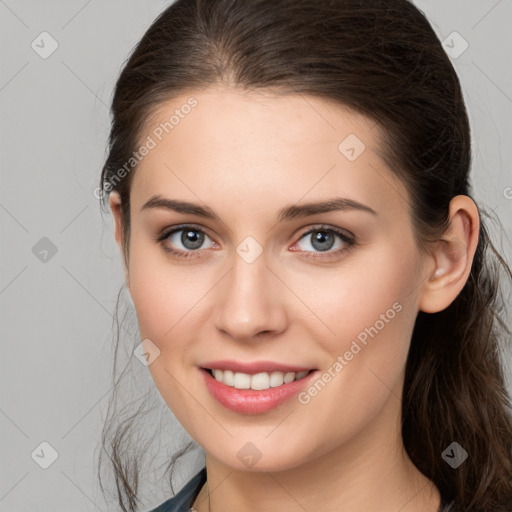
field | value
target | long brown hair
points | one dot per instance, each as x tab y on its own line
382	59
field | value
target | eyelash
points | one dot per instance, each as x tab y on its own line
347	240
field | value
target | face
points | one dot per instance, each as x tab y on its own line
333	289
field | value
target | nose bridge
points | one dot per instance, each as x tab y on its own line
249	300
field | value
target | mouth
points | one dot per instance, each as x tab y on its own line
255	393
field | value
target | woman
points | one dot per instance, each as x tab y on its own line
314	285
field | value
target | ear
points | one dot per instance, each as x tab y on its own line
114	201
452	257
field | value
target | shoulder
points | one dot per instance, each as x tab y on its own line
182	501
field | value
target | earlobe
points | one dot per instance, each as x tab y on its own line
452	257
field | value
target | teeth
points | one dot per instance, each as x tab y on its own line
258	381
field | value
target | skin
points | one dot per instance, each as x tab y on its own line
246	156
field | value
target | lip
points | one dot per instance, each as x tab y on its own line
251	401
253	367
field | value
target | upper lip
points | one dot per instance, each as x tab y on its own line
253	367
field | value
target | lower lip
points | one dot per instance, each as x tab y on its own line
251	401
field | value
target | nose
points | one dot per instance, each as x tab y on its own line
250	301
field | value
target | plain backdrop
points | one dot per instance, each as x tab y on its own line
60	270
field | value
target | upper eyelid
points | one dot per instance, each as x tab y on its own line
168	231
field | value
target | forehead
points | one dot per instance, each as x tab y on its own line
228	115
223	141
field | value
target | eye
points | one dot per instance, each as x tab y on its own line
183	241
323	238
187	240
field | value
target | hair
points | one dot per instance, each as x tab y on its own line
382	59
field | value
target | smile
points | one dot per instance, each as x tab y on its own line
255	393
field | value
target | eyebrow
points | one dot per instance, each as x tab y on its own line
287	213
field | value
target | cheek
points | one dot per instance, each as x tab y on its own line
362	291
164	298
367	310
171	302
162	293
372	315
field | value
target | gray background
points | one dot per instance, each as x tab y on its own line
57	308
